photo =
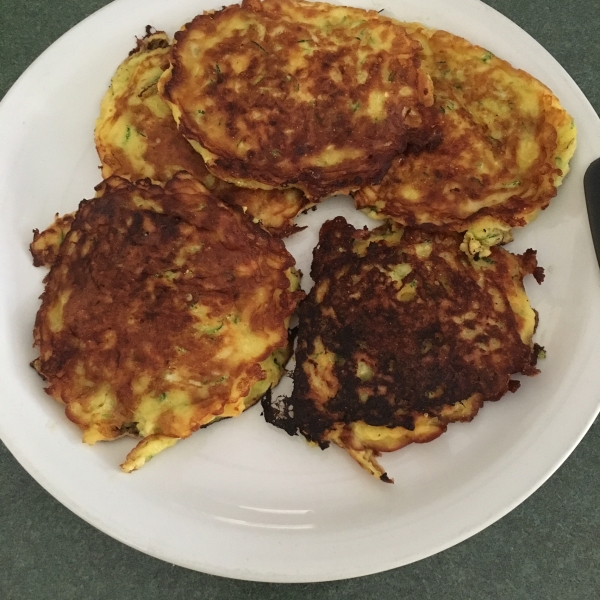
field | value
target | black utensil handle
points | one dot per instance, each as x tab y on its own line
591	187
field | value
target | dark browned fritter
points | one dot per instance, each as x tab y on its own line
279	93
164	310
401	334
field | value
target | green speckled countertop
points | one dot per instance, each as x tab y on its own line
547	548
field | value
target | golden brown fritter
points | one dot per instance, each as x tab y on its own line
279	93
164	310
401	334
505	147
136	137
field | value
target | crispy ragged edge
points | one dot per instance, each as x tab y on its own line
46	244
527	317
519	266
365	443
146	450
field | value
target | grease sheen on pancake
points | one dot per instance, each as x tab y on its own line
402	334
163	311
136	137
505	148
305	94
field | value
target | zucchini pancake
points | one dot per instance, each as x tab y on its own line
136	137
402	334
280	93
164	310
506	146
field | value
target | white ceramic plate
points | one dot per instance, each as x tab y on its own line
243	499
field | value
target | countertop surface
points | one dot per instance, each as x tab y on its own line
547	548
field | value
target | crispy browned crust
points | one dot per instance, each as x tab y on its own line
45	245
269	117
158	151
118	304
452	337
506	144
